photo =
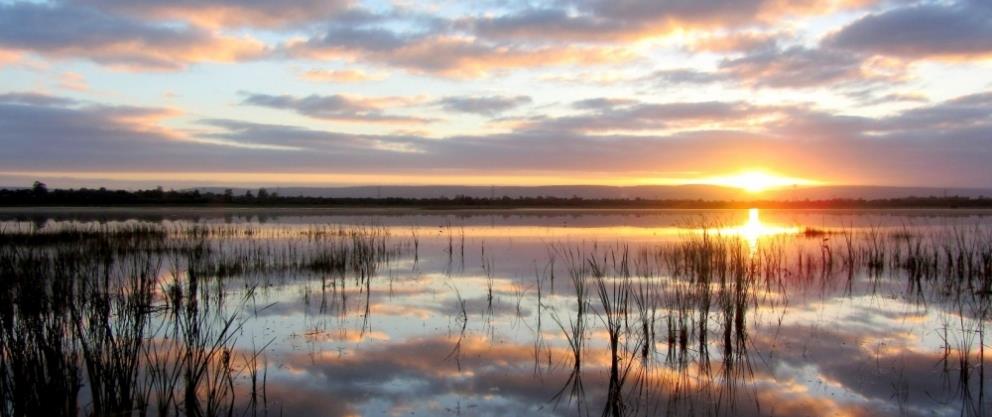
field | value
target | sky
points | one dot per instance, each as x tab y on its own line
490	92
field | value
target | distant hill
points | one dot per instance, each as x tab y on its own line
652	192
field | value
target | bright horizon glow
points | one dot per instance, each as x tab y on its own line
750	181
757	181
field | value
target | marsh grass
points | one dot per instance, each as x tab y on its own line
708	284
130	319
138	319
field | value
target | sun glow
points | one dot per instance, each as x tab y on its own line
752	231
757	181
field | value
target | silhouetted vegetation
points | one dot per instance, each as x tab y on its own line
40	195
131	319
710	283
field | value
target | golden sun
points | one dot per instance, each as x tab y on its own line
757	181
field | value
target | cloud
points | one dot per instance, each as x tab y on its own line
631	115
843	359
743	41
35	99
73	81
685	76
435	47
338	107
69	31
227	13
112	120
970	111
873	97
799	67
237	132
628	20
242	134
514	378
494	379
600	103
8	57
795	67
171	35
553	24
603	77
441	54
483	105
49	133
931	30
714	12
340	76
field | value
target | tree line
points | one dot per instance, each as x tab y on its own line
40	195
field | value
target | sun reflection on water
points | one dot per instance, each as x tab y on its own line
754	229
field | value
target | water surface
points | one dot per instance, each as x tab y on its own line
736	312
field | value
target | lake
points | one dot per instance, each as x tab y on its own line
310	312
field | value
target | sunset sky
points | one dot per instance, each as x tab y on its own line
619	92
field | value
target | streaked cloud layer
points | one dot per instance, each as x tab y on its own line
577	91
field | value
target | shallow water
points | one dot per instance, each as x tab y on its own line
474	313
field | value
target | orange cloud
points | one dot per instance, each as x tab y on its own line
8	57
72	31
138	55
774	10
215	49
341	76
146	120
732	42
73	81
227	13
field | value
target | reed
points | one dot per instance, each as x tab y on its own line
127	319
